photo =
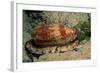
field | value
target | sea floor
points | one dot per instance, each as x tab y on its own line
83	52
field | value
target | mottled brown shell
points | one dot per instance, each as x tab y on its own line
53	34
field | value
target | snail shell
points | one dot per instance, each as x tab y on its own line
53	34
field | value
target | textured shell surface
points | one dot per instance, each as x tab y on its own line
53	34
